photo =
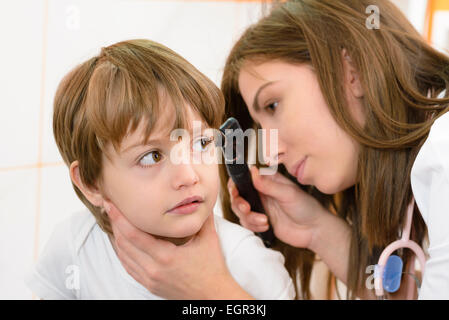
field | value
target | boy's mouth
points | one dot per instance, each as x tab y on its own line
189	200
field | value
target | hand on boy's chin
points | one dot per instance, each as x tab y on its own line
181	236
177	241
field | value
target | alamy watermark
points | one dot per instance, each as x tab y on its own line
72	282
231	144
373	20
72	21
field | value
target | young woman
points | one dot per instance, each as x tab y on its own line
363	132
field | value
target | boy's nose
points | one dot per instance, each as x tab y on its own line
184	175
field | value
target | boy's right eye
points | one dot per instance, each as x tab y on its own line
150	158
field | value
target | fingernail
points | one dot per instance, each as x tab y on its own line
261	219
242	207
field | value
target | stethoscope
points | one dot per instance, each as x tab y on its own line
388	271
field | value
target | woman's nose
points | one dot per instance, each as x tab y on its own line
273	148
276	159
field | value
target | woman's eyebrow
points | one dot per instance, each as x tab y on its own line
256	106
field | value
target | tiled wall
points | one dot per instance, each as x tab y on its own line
41	41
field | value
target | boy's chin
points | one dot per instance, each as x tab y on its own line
176	241
184	233
179	238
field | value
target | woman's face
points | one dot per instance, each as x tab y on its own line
144	181
290	100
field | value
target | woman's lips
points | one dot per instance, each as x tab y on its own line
300	171
186	208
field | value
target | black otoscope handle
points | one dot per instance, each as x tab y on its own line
239	172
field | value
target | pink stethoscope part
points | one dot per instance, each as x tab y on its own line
404	242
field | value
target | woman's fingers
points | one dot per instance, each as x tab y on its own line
249	219
258	228
242	209
232	188
256	222
280	178
274	186
131	265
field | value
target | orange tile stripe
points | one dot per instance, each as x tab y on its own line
32	166
432	7
41	129
40	134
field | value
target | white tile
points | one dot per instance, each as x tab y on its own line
414	10
440	31
18	190
20	79
58	201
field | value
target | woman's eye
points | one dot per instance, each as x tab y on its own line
271	106
150	158
202	144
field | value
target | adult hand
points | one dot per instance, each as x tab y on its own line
293	213
195	270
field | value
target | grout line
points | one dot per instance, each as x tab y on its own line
32	166
40	133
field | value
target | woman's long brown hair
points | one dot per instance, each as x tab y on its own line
405	82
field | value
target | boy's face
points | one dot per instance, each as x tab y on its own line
144	182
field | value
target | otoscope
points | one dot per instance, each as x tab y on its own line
238	170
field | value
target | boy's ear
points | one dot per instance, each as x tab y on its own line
352	78
92	194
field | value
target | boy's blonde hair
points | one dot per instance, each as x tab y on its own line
105	98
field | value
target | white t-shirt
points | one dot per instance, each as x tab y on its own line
430	185
79	262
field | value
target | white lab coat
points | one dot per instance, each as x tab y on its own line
430	185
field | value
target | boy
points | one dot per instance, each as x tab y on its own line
112	120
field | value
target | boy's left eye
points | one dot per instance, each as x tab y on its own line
150	158
202	143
